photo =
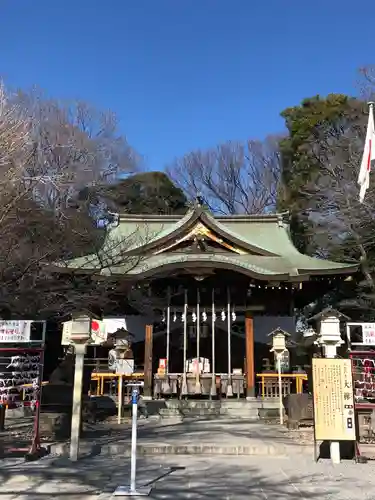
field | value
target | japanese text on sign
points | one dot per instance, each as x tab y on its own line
15	331
368	333
333	400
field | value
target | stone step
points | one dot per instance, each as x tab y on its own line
258	448
209	416
235	404
169	411
240	409
250	411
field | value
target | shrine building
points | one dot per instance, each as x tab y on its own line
217	285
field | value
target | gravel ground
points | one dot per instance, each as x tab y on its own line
198	478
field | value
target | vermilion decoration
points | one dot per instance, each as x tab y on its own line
95	325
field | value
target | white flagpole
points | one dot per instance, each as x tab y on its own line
368	155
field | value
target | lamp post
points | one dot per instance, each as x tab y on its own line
79	332
279	347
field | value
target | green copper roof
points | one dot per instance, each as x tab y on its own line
265	238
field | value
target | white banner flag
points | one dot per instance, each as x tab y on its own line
368	156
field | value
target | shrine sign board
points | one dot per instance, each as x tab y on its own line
333	400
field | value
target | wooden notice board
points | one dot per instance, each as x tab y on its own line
333	400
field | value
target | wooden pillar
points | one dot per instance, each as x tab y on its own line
250	375
147	389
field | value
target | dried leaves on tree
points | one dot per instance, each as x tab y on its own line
233	178
48	152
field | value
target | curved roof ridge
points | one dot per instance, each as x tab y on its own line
271	217
151	217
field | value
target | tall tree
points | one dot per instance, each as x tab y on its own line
315	128
320	161
233	177
142	193
48	151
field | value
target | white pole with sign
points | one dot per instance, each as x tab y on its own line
132	490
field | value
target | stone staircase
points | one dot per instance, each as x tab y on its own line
206	409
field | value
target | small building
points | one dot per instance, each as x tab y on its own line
218	286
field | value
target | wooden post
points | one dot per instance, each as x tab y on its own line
2	417
147	389
250	375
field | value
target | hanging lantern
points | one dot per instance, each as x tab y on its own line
163	317
183	317
204	316
174	316
214	316
194	317
223	315
234	317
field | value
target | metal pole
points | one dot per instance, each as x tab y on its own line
198	389
184	383
281	408
120	398
80	350
132	491
213	384
133	457
229	386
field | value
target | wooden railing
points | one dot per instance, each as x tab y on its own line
290	382
101	378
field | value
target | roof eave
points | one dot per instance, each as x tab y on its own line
349	269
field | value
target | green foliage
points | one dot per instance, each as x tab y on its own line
320	161
306	123
314	124
145	193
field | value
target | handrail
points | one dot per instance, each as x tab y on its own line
99	377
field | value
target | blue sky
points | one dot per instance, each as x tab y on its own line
187	74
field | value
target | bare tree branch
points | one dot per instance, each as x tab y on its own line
48	152
233	177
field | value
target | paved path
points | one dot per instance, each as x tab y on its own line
198	478
227	437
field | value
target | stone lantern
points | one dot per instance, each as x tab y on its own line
279	337
328	330
80	329
123	352
279	340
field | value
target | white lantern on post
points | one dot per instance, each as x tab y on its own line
77	331
278	341
279	337
80	330
328	324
